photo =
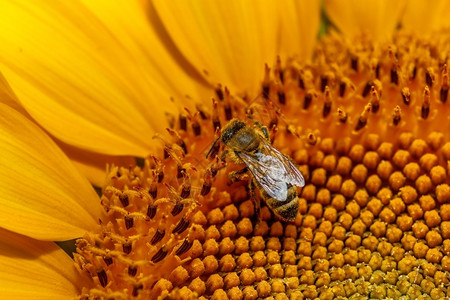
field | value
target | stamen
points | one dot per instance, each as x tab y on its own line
159	234
429	77
375	100
102	278
327	102
362	121
396	116
445	85
129	221
124	200
185	246
266	83
426	103
181	226
159	256
342	115
406	95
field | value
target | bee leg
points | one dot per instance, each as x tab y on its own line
263	129
251	187
237	175
224	154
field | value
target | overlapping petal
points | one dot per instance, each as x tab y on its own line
424	17
41	193
31	269
377	18
227	41
93	74
300	22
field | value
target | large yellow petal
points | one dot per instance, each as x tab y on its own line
228	41
424	17
377	18
93	74
31	269
93	165
299	27
42	195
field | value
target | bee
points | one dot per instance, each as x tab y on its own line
271	171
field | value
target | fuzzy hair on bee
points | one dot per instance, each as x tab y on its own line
272	172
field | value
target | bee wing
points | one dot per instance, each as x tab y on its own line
267	171
291	173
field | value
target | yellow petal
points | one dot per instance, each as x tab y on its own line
227	40
31	269
377	18
300	22
424	16
93	165
42	194
93	74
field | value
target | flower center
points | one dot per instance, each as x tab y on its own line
366	125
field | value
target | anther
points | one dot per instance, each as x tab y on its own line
102	277
108	260
132	270
375	99
308	98
157	236
281	97
354	63
327	102
397	115
323	83
444	87
177	209
178	140
207	182
153	190
342	115
181	226
151	211
429	77
219	92
342	86
367	88
180	171
266	83
183	122
311	138
301	82
186	187
124	200
279	70
394	75
426	103
127	247
136	290
185	246
362	121
129	221
160	255
215	115
406	95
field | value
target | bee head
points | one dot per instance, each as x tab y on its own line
231	129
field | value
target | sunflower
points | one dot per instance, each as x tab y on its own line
361	112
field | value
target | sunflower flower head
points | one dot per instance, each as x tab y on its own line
366	122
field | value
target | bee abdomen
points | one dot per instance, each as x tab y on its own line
286	210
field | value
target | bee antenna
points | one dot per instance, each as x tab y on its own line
210	149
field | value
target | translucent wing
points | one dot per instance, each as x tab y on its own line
292	173
273	171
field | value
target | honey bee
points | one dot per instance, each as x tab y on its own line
272	172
